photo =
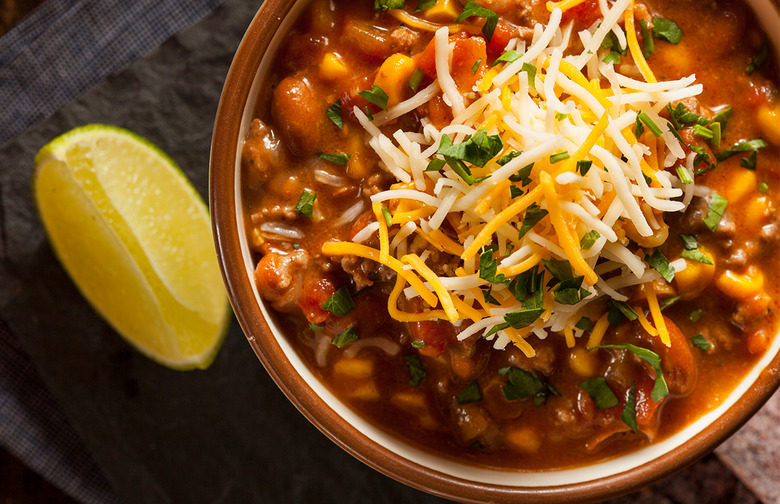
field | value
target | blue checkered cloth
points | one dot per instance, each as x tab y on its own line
59	51
64	47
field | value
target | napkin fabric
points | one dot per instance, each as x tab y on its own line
64	47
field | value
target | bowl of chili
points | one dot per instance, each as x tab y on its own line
506	250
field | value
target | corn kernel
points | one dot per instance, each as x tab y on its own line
757	342
523	439
356	368
676	57
393	77
740	184
741	286
695	277
756	213
332	67
768	117
445	11
582	363
365	391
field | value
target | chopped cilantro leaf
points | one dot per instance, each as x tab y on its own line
509	156
436	164
315	327
723	117
345	337
745	146
515	192
689	241
418	343
648	45
612	57
416	370
488	266
599	391
715	213
533	215
476	149
660	389
560	117
339	159
305	204
759	58
377	96
667	30
334	114
763	187
523	318
612	43
696	255
531	71
340	303
629	410
618	310
583	166
585	324
388	4
701	342
750	161
660	263
424	4
717	134
695	315
569	291
524	384
558	268
474	9
666	303
509	56
475	66
469	394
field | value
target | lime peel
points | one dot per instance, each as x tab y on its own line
134	235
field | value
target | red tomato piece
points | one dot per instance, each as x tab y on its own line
313	295
583	15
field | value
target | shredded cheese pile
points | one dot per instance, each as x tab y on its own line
568	160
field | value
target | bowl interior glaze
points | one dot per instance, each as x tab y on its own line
366	442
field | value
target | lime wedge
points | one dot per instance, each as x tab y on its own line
135	237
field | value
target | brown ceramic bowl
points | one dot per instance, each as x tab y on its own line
369	444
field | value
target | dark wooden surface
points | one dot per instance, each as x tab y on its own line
19	484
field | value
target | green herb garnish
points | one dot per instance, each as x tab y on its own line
474	9
759	58
524	384
660	389
559	157
509	56
667	30
469	394
701	342
629	410
660	263
599	391
648	45
388	4
305	204
588	239
583	166
715	213
415	80
339	159
533	215
584	323
416	370
334	114
376	96
345	337
683	175
695	315
340	303
745	146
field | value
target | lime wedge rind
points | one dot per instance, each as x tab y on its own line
105	246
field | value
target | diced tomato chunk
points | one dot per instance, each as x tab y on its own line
646	407
466	52
504	32
437	336
313	295
583	15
